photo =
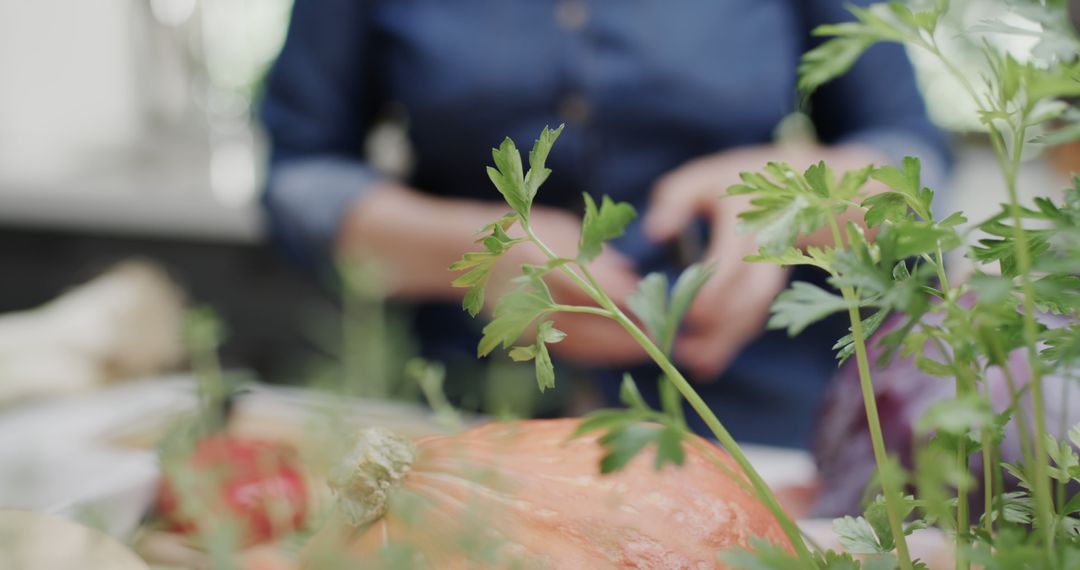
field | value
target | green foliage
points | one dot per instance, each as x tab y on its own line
479	264
763	555
786	204
601	225
660	315
891	22
802	305
514	312
886	257
625	434
546	334
517	187
955	331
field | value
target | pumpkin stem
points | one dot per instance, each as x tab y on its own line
363	480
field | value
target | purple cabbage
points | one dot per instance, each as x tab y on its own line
842	446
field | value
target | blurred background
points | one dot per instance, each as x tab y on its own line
127	129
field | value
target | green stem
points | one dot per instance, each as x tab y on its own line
1010	166
591	288
584	310
1042	492
722	435
1063	427
964	385
877	440
670	399
988	482
1018	411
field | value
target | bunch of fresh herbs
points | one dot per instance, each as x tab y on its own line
892	263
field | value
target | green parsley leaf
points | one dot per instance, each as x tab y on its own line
479	264
601	225
885	206
686	288
857	536
802	305
546	334
845	347
764	555
508	177
907	184
649	304
792	256
629	395
669	447
830	59
968	412
514	312
518	188
538	172
623	444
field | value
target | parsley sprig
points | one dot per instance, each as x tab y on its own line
531	304
943	330
892	263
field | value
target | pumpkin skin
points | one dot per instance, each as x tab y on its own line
539	501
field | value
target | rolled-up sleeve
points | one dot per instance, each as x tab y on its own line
317	110
877	103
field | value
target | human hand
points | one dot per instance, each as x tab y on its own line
412	237
732	308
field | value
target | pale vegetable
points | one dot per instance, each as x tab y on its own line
125	323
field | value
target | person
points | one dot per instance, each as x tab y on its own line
664	104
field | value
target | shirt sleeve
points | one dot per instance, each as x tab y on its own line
877	102
317	110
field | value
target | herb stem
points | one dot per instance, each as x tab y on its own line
1043	502
1010	166
1018	410
585	310
877	440
670	400
988	482
722	435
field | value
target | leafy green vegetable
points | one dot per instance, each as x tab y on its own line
601	225
802	305
546	334
651	305
479	264
514	312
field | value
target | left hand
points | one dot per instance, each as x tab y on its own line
733	306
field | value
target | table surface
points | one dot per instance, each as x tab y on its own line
63	457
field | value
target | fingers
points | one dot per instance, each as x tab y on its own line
729	320
678	198
706	357
726	250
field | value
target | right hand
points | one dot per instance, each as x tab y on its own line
414	237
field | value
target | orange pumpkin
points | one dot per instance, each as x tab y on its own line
525	495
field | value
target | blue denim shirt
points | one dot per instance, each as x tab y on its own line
643	86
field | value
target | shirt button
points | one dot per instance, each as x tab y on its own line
575	109
571	15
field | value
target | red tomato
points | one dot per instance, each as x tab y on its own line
250	482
